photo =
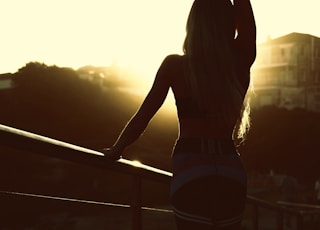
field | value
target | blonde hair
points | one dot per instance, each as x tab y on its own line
209	65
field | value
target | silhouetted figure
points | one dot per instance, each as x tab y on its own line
209	83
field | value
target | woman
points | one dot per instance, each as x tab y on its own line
209	83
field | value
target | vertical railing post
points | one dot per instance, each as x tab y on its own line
299	221
136	203
280	220
255	217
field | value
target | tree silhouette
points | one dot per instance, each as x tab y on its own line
55	101
284	140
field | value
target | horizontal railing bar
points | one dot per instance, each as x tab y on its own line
34	143
145	167
81	201
300	205
47	140
157	210
64	199
271	206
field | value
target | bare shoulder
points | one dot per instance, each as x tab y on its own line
171	62
170	67
173	58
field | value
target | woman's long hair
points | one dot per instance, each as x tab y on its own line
210	66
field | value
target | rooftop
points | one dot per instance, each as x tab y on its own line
290	38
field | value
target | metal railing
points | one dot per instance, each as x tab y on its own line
33	143
281	212
37	144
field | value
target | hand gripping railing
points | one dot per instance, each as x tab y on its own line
29	142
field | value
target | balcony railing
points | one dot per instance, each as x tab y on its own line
27	142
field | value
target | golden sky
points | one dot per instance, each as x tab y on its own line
132	33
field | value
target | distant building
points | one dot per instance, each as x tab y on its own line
6	90
6	81
286	72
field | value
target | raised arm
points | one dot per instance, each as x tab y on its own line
246	29
149	107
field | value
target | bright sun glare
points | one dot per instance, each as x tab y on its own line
136	34
133	33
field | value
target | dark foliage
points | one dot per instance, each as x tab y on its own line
286	141
56	102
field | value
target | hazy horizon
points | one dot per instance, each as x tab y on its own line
75	34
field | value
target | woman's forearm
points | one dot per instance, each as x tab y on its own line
130	133
246	29
147	110
245	21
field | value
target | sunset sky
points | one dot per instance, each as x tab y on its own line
132	33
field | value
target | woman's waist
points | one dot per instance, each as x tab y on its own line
204	128
205	145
